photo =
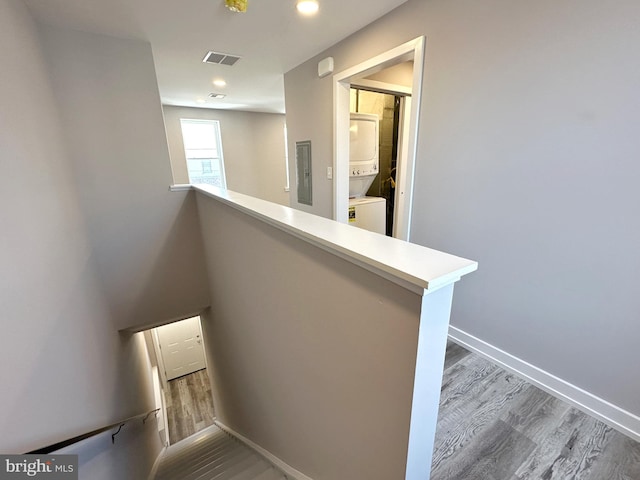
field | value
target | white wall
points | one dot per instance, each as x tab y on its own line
65	368
144	238
253	148
527	162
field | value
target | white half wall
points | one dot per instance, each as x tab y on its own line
313	357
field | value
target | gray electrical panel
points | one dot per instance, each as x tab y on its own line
303	172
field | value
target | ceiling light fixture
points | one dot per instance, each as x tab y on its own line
219	82
236	5
307	7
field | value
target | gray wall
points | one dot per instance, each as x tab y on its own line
526	162
401	74
65	368
252	144
309	107
321	377
145	239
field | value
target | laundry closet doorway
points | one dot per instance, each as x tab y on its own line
388	102
370	75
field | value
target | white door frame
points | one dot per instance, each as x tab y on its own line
412	50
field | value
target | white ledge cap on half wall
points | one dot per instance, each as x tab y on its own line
412	266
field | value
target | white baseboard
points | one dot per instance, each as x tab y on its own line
285	467
623	421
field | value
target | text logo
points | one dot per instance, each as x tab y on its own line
49	467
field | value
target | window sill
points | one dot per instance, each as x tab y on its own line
180	187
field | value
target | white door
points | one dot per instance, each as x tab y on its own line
181	347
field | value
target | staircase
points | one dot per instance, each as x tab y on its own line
213	454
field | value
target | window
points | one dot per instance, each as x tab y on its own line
203	151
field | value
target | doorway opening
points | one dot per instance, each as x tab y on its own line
185	386
386	105
370	75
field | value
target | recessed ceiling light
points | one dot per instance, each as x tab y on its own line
307	7
219	82
217	95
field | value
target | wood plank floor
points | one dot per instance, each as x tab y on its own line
189	405
495	426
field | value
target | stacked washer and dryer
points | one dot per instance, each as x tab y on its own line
365	212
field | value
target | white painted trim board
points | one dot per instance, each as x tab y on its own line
409	265
625	422
180	187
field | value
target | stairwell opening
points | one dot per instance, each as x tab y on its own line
183	386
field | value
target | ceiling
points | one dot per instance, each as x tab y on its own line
271	37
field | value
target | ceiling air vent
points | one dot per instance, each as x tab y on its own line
220	58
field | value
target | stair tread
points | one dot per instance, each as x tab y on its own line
271	474
252	472
233	470
214	454
216	465
202	443
205	435
202	457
